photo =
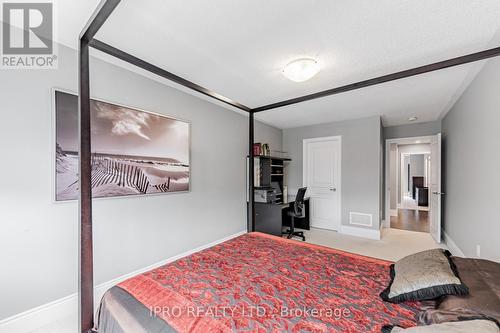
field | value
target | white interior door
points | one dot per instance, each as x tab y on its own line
322	161
435	194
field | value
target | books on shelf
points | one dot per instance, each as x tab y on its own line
261	149
257	149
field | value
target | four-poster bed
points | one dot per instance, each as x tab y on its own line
87	41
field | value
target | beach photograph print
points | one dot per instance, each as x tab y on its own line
133	152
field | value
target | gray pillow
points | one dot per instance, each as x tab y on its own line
423	276
480	325
482	277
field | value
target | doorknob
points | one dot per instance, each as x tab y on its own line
333	189
437	193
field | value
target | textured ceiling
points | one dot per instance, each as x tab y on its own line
237	48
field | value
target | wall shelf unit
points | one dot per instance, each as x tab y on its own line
269	170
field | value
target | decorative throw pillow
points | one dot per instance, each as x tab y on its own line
483	326
423	276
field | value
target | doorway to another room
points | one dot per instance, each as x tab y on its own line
412	202
413	185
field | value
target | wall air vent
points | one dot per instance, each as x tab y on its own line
365	220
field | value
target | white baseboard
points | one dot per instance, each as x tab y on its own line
454	249
54	311
360	232
40	316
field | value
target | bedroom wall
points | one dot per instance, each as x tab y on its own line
412	130
360	162
268	134
471	162
38	238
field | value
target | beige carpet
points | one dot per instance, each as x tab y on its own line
394	245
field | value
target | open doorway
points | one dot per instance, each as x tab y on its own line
410	180
414	172
412	202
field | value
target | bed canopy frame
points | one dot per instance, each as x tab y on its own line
87	41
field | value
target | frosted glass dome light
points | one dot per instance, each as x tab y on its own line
301	70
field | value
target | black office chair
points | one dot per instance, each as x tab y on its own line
297	212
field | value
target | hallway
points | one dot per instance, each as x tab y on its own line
411	220
409	203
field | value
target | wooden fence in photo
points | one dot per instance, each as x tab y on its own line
107	170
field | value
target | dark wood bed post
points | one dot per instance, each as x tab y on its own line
85	248
86	269
251	203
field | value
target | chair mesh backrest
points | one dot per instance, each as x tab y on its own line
298	206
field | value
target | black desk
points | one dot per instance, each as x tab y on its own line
270	218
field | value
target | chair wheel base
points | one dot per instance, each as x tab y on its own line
300	234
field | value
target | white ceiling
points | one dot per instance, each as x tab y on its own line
72	16
428	96
238	48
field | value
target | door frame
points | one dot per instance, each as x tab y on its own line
409	140
305	143
437	191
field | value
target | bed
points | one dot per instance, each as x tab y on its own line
257	283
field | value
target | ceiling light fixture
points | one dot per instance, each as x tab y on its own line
412	118
301	70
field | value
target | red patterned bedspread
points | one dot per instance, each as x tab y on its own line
262	283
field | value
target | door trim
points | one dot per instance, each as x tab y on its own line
435	212
410	140
305	143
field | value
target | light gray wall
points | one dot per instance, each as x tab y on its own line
417	165
412	130
38	238
269	134
360	162
471	161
